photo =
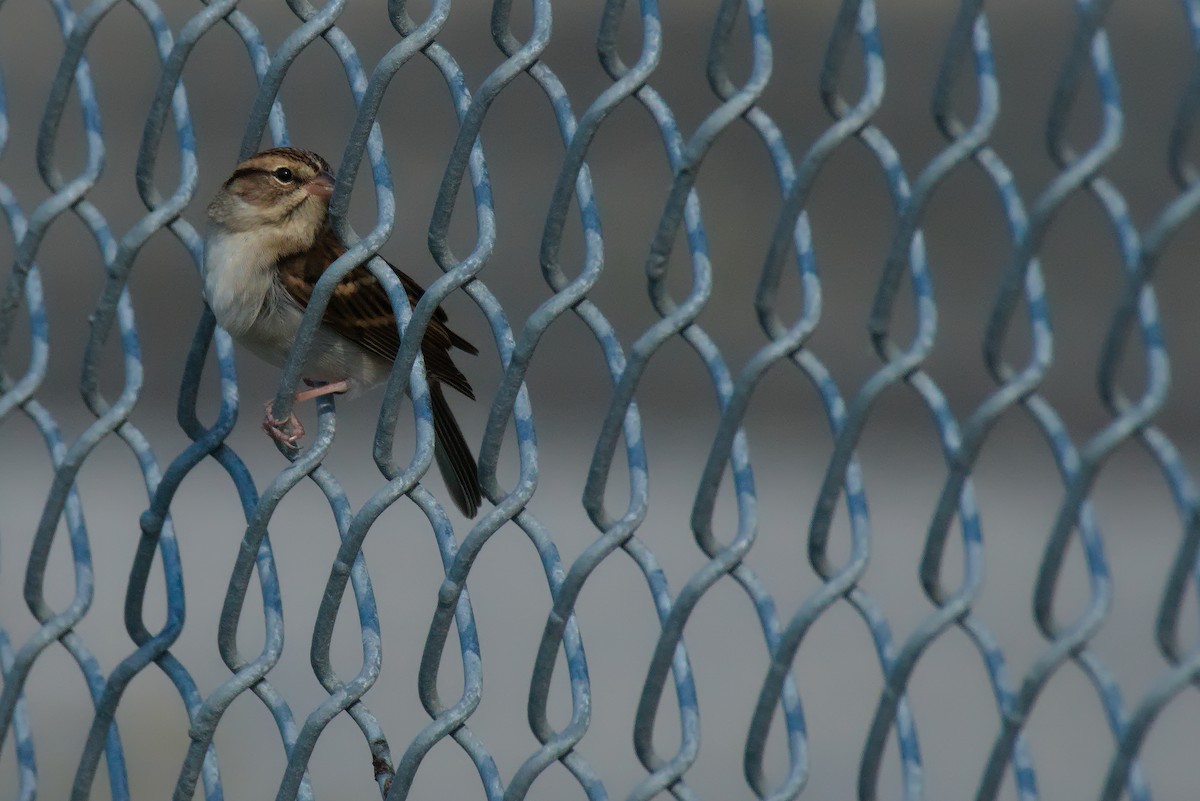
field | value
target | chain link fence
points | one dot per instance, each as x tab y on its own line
704	239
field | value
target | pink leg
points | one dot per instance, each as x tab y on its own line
287	432
328	389
290	431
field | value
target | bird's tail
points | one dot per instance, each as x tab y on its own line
454	458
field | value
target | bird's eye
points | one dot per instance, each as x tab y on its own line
284	175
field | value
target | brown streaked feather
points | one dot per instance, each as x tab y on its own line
454	458
360	311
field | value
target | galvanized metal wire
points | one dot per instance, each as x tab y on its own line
853	48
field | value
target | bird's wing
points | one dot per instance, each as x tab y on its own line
360	311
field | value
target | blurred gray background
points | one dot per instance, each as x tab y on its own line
837	670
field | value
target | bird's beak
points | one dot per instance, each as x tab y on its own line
321	186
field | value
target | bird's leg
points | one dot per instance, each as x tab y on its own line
327	389
287	432
290	431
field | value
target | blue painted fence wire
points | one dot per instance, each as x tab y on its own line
854	46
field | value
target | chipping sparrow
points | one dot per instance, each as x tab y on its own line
267	244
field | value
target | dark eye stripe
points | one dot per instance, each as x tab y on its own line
301	157
244	171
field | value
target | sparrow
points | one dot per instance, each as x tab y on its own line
267	243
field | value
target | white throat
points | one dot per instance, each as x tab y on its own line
238	275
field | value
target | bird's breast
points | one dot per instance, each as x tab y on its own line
238	278
248	302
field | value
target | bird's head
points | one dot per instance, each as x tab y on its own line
282	193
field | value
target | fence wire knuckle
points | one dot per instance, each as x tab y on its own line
1083	130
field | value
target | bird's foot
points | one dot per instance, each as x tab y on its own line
286	432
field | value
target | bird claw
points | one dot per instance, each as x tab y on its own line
286	432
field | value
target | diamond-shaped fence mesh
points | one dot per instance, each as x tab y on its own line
770	387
